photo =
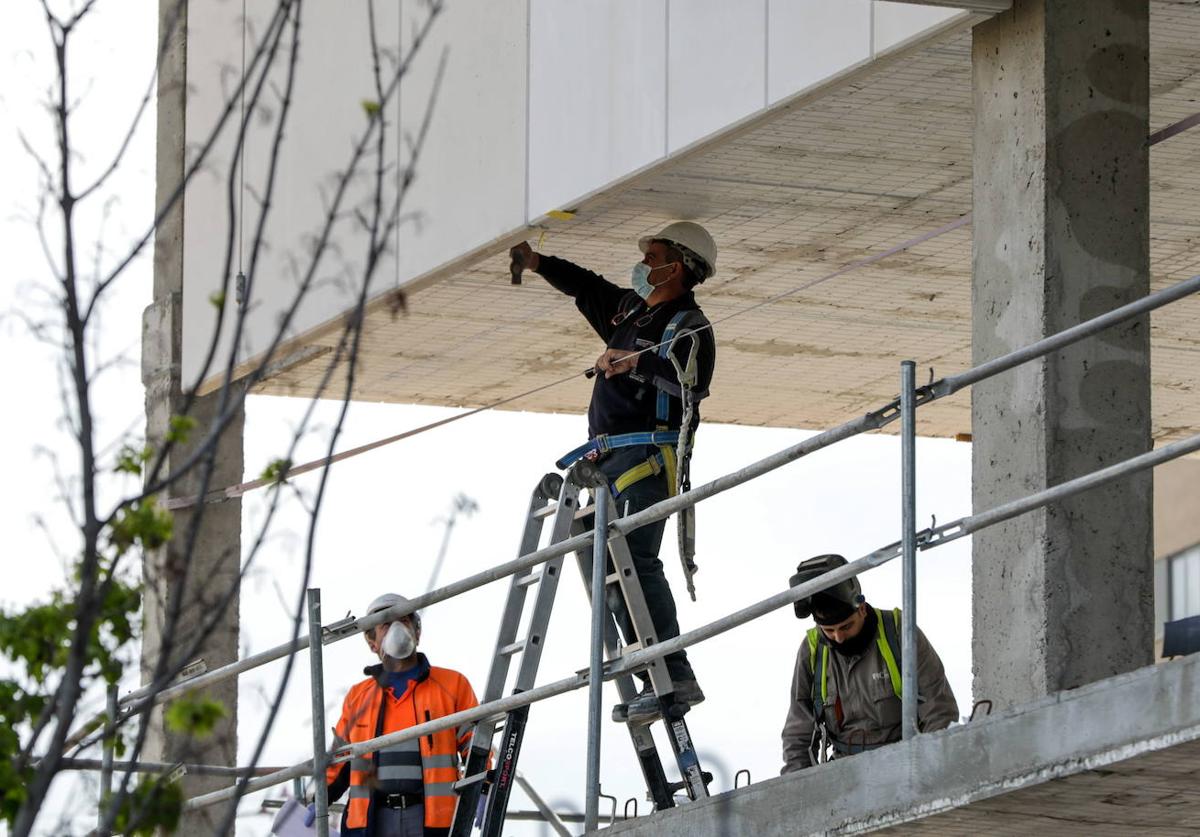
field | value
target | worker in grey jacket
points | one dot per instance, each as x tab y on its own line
845	694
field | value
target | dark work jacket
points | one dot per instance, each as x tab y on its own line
627	403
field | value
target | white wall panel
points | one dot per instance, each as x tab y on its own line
897	22
471	177
597	93
333	77
716	67
810	40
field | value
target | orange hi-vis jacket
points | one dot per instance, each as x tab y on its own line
430	763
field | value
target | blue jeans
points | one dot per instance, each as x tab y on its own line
644	544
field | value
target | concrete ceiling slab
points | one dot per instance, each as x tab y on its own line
791	198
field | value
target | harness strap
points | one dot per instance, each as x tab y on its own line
604	443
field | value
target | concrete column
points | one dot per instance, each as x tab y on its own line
196	581
1063	596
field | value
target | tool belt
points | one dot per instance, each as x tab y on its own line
662	460
399	801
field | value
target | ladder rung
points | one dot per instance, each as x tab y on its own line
529	580
467	781
511	648
630	648
545	511
584	511
613	578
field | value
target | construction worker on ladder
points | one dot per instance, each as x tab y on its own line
846	690
406	790
657	364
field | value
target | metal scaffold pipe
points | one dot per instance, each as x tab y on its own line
908	540
660	511
602	503
317	679
638	659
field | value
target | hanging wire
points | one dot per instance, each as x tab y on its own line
238	490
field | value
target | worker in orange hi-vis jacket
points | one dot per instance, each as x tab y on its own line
407	789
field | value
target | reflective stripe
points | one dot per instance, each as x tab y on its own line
886	650
400	772
439	789
360	764
433	762
360	792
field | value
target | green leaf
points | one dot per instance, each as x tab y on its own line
194	715
276	471
180	428
371	107
131	460
142	523
217	299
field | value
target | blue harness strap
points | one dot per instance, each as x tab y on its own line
662	413
663	406
604	443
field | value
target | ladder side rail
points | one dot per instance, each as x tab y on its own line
531	656
515	603
504	774
510	622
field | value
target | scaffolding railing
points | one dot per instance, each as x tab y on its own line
912	541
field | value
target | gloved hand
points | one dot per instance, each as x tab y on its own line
310	816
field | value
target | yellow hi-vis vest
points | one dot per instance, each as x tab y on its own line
887	640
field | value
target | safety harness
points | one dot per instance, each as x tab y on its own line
887	641
674	452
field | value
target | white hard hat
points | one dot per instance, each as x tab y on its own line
692	238
391	600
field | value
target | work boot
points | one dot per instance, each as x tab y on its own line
645	707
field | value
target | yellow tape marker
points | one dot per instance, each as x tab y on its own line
560	214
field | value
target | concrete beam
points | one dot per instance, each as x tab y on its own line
1063	596
1098	727
991	7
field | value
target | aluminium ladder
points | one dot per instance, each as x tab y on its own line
557	500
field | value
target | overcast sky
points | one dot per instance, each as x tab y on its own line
385	512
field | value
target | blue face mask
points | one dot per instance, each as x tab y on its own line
640	279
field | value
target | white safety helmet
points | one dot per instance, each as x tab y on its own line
693	241
390	600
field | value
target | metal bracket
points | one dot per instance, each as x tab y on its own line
336	630
193	669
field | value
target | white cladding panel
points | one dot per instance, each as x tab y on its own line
325	118
541	103
897	22
810	40
716	66
597	95
470	178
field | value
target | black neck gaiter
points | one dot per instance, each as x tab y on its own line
862	641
